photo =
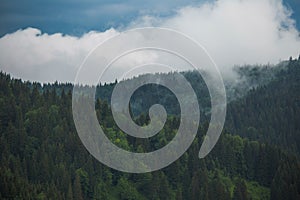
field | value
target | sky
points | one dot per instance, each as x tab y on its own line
48	40
76	17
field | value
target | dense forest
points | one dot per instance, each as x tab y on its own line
257	156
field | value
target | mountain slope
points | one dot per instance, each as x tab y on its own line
271	113
43	158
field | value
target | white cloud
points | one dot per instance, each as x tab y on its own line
31	55
235	32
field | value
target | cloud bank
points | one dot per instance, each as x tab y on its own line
234	32
31	55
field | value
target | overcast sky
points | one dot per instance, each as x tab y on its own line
47	42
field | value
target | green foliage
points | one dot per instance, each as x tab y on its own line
43	158
270	113
257	192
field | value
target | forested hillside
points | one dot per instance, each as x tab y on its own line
237	83
43	158
270	113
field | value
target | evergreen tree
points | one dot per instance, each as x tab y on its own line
240	191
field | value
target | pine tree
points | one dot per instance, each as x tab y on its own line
70	192
195	187
240	191
77	188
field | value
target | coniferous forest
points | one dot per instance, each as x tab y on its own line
257	156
